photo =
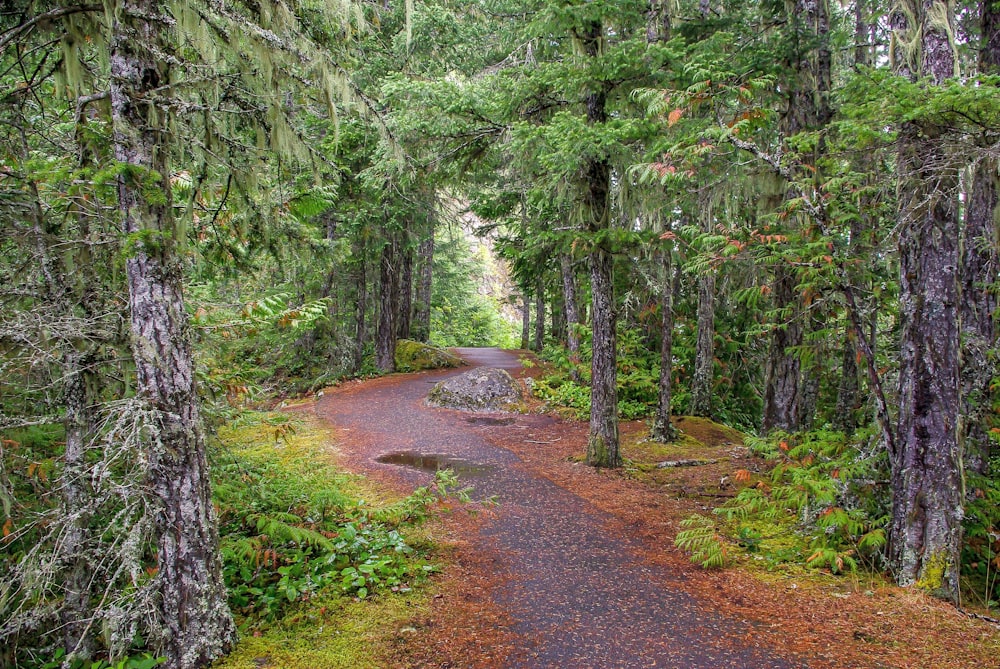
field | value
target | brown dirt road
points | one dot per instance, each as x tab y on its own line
571	582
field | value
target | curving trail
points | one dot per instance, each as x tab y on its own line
575	584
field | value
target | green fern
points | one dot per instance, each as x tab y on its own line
703	541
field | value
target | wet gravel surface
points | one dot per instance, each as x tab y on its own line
573	581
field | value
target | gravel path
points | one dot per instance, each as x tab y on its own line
575	588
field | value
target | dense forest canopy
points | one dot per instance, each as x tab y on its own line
780	215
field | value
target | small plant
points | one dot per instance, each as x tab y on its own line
144	661
702	539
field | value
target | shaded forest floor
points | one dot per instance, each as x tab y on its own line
796	618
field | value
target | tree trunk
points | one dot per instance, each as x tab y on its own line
809	386
75	497
808	91
704	360
663	429
385	332
926	531
539	314
572	314
602	445
405	295
658	21
360	279
525	321
195	625
980	269
558	308
422	312
781	394
848	390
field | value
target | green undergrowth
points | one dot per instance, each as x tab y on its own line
822	505
305	545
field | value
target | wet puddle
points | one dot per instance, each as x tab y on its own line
432	462
490	420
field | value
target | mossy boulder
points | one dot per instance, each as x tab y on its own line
480	389
412	356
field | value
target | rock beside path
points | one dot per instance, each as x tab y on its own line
480	389
412	356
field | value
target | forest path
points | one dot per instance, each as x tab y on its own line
571	580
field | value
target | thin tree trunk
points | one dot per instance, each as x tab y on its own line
663	429
980	271
926	529
539	314
422	311
77	609
405	295
385	333
572	314
704	360
195	625
525	321
360	279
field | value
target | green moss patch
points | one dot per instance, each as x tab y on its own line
331	633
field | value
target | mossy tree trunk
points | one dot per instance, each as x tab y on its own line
195	624
926	528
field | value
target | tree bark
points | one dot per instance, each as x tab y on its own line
422	311
926	530
980	269
704	359
781	394
663	429
525	321
602	445
808	90
359	276
848	389
539	314
809	386
195	625
388	305
405	295
572	314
